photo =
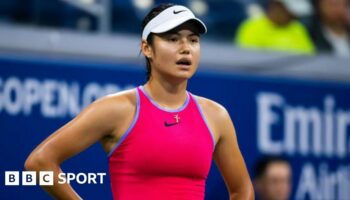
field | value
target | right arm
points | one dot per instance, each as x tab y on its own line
97	121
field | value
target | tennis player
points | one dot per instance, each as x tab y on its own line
160	138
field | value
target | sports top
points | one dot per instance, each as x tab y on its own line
164	154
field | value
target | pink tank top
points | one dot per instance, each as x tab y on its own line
164	155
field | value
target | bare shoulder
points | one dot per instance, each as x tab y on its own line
117	103
212	108
216	115
123	98
113	110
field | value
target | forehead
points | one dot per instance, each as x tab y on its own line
278	169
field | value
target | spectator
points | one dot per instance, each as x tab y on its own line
273	178
330	29
278	29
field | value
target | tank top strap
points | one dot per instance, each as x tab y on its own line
145	97
141	93
195	105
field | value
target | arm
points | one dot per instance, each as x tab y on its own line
230	161
97	121
227	154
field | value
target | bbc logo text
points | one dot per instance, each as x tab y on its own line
46	178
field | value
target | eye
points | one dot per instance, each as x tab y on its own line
194	39
172	39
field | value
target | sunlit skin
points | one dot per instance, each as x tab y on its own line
174	58
275	183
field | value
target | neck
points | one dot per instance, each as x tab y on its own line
166	93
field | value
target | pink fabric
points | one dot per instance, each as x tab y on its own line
158	162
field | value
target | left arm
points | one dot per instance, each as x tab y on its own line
229	159
227	155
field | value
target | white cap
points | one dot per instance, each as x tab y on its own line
299	8
169	19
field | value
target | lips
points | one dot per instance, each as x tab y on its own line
184	62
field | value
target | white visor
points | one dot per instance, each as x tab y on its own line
299	8
169	19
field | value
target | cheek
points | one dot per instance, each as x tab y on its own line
196	53
164	52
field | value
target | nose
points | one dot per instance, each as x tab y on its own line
185	46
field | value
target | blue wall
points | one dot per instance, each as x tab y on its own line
308	122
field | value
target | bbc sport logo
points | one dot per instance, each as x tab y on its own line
46	178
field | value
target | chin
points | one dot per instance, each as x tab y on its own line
180	75
184	75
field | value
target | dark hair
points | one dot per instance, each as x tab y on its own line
262	164
153	13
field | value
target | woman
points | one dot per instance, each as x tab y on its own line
160	138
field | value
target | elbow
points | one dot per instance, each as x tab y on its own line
245	193
251	193
35	162
30	165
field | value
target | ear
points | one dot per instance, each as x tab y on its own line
146	49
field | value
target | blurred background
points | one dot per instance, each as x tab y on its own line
280	67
